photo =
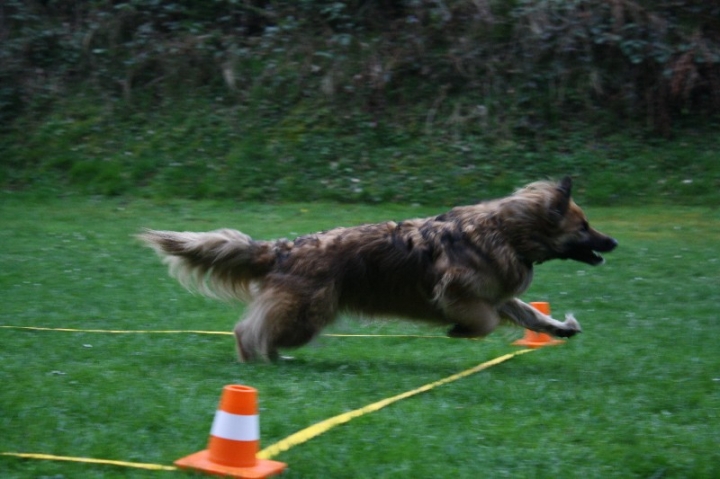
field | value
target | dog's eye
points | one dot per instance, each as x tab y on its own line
585	226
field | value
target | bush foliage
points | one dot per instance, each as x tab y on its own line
363	100
652	60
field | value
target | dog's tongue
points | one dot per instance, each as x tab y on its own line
596	258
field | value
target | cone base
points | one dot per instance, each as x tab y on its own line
533	339
200	461
538	344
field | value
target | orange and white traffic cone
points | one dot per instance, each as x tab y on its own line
534	339
234	439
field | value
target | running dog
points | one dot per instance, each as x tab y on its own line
463	268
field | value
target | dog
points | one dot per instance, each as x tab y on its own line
463	268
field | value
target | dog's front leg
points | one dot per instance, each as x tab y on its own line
472	318
530	318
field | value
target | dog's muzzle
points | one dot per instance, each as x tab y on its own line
588	251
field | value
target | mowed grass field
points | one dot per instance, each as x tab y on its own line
637	395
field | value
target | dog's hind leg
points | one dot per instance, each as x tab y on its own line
530	318
251	334
282	318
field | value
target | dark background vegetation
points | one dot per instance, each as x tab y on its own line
416	101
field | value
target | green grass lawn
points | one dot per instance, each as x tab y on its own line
636	395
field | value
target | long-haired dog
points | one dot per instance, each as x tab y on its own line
463	268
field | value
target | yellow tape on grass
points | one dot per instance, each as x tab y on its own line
88	460
294	439
195	331
324	426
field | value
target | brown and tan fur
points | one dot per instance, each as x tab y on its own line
464	268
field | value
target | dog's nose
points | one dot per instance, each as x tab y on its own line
612	243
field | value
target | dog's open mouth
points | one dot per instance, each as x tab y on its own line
589	252
588	256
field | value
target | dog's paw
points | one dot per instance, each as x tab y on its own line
460	331
570	327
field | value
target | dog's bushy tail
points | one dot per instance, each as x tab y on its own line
221	264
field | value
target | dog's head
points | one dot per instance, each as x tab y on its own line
559	228
578	240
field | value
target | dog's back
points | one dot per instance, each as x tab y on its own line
382	269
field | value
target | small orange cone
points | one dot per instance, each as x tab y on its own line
234	439
534	339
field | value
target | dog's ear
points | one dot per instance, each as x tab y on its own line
565	186
561	201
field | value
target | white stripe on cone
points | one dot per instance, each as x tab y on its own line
235	427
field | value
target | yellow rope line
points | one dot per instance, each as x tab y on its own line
194	331
50	457
111	331
295	439
323	426
337	335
